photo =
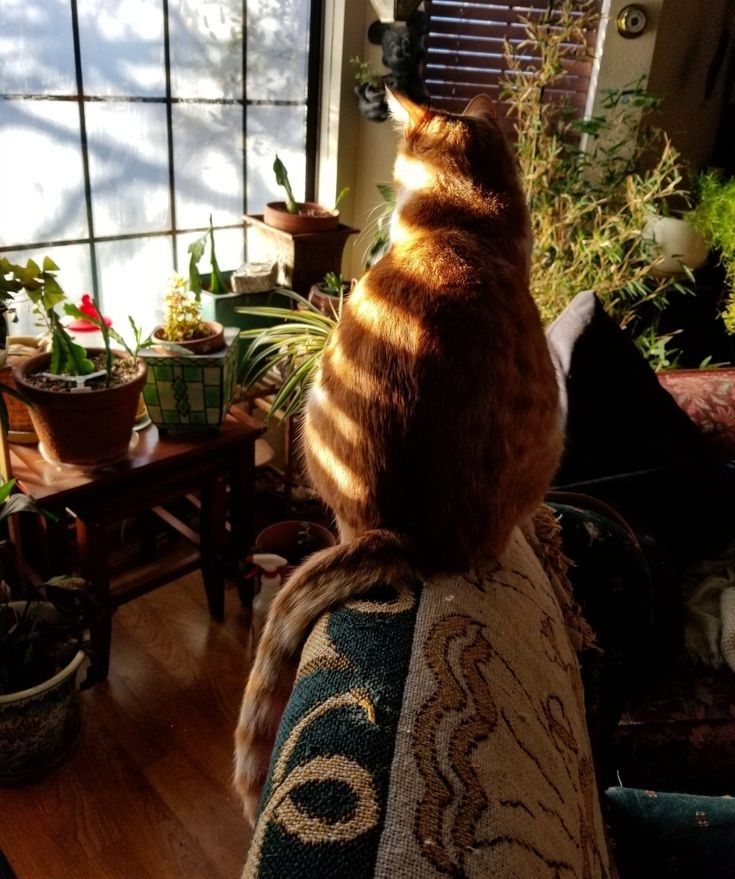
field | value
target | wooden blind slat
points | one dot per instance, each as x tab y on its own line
464	52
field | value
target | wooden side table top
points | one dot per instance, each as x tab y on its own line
151	454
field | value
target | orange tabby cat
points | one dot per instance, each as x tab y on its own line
432	428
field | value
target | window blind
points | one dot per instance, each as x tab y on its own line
464	52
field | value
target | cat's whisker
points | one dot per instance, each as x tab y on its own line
347	481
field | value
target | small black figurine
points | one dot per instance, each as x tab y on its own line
403	53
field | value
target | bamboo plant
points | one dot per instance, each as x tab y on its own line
593	184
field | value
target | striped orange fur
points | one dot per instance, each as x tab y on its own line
432	429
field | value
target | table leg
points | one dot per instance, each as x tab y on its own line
242	519
92	548
212	537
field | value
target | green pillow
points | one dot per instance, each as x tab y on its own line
670	835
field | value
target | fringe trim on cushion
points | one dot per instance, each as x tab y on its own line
547	545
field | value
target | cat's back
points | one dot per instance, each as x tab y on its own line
435	409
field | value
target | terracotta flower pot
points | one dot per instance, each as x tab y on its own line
327	303
294	540
83	428
312	217
213	341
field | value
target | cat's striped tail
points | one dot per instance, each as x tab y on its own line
327	578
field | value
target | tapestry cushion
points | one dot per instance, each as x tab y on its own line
708	398
619	419
437	731
672	836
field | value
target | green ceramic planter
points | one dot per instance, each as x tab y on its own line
223	308
191	392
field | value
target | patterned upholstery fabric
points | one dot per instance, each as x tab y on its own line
708	398
436	732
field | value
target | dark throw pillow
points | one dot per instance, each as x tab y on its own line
619	418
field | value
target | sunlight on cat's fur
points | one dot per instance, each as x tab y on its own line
432	429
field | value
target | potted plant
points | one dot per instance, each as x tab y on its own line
714	218
73	391
292	346
191	365
43	645
328	294
304	238
293	216
222	294
590	202
370	90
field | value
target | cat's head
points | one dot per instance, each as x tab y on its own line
439	149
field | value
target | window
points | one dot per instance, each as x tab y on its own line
465	50
124	125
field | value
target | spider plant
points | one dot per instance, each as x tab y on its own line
292	348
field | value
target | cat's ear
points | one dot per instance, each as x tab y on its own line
404	111
480	105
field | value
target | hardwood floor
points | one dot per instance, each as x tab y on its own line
146	793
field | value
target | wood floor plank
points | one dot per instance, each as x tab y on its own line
147	792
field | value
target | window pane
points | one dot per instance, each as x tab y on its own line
128	165
277	45
75	278
206	48
41	174
274	130
36	47
133	278
122	47
208	164
229	245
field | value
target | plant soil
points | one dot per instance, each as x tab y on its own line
123	371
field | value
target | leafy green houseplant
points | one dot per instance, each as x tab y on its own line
298	217
191	365
590	202
328	294
73	391
305	239
370	90
43	645
714	217
288	352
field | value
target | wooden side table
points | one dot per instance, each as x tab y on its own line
155	472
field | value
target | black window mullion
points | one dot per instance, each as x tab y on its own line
85	150
170	133
313	79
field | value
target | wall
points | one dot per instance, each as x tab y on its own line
355	152
688	37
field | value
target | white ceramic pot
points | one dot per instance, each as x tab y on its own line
39	724
678	243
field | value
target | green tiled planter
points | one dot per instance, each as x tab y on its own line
189	391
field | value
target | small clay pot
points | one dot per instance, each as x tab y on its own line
276	215
294	540
327	303
213	341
